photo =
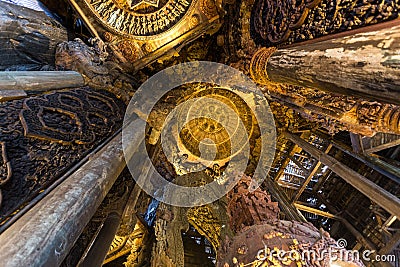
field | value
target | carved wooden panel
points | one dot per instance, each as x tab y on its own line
274	20
42	137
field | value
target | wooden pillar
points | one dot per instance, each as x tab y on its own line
101	245
363	65
39	80
28	38
48	231
374	192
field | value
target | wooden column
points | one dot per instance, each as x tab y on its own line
374	192
40	80
364	65
286	206
28	38
47	232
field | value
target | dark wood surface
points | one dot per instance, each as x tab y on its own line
364	65
28	38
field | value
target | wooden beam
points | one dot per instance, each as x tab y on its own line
382	147
295	149
6	95
310	176
389	222
391	245
363	65
366	243
295	161
48	231
321	180
316	211
39	80
85	19
374	192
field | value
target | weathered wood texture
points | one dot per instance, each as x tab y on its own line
48	231
6	95
316	211
42	137
365	65
40	80
379	142
374	192
28	38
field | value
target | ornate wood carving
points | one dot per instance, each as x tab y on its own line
277	22
207	222
41	137
247	208
333	111
168	249
274	20
28	38
146	30
294	237
140	18
258	228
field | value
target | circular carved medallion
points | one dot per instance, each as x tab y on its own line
139	17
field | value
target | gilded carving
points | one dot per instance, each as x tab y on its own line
138	245
274	19
108	36
208	8
140	18
333	112
264	245
207	223
128	50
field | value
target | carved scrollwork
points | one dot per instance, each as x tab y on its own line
247	208
273	20
65	118
206	222
284	237
128	50
42	136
